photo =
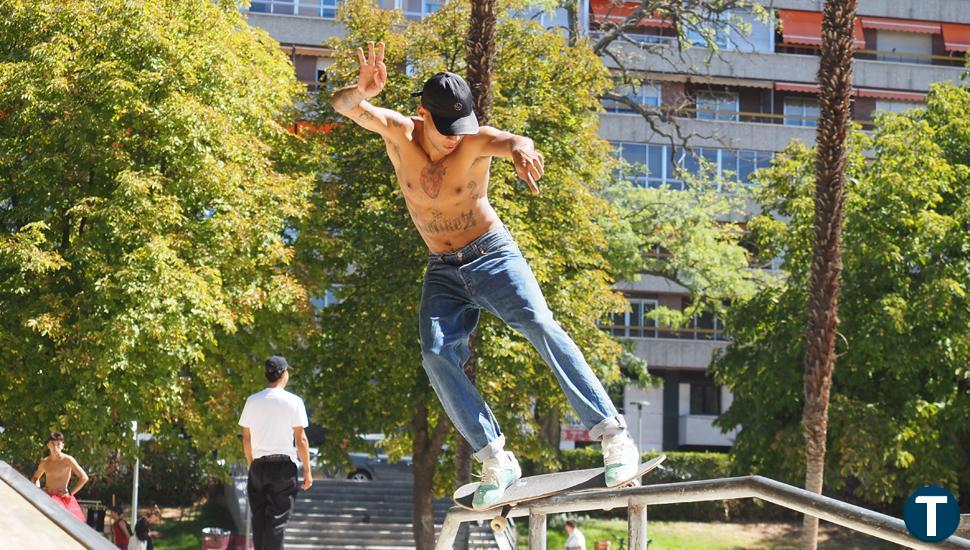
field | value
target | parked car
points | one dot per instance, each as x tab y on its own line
375	464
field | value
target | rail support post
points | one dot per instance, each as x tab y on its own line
637	526
537	530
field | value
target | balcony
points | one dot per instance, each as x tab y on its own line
786	67
296	29
928	10
699	430
709	133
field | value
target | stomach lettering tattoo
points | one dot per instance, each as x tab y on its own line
441	224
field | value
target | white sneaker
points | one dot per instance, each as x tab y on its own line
621	459
498	472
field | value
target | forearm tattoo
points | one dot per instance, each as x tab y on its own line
347	98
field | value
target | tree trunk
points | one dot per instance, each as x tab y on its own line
425	449
463	451
480	58
835	79
572	18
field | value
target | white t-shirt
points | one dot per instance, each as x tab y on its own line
271	416
576	541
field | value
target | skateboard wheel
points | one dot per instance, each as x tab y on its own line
499	524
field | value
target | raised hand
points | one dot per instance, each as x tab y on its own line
530	166
373	72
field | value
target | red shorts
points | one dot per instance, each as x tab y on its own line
70	504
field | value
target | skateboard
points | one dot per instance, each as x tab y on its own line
545	485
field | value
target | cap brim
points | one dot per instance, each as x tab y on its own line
456	126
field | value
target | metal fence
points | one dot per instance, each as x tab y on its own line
638	499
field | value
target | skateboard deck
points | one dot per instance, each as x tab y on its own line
545	485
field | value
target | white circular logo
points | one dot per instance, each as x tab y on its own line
459	106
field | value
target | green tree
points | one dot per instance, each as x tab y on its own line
146	178
900	401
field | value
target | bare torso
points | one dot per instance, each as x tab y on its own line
57	474
448	198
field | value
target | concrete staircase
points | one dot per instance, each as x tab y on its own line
363	514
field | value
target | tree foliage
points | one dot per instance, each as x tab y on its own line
146	178
900	407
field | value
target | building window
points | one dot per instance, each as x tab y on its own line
760	35
801	112
419	9
654	166
747	163
635	323
309	8
645	94
708	326
895	106
717	32
328	299
909	47
550	19
717	106
705	399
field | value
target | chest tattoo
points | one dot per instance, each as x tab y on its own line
432	176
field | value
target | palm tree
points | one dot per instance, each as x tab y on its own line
835	79
480	60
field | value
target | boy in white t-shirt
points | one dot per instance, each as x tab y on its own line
271	421
576	540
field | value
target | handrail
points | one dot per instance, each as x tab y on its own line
637	499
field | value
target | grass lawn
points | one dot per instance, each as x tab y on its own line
184	532
676	535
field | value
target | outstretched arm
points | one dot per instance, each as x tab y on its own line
529	163
352	100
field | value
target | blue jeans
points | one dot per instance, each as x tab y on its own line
490	273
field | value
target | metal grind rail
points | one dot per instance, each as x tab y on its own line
639	498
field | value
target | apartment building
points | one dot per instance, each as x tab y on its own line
748	102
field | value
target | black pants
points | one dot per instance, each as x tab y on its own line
271	488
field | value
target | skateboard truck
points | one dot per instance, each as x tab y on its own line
501	522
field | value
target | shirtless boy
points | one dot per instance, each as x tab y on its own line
442	158
57	469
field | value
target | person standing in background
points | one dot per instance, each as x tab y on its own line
271	421
56	470
120	530
576	540
144	535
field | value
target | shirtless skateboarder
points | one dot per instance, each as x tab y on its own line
442	158
57	469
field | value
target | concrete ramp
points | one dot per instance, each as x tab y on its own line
31	520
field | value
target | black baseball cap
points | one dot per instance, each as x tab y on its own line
276	364
449	100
